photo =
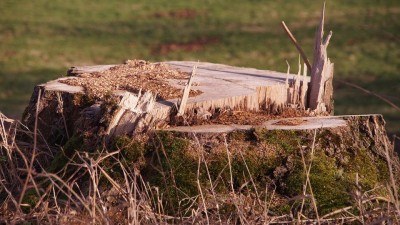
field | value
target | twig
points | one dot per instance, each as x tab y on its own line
201	154
394	188
307	170
371	93
345	209
200	190
29	175
293	39
231	178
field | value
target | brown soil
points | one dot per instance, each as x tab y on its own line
290	122
191	46
178	14
243	118
254	118
133	75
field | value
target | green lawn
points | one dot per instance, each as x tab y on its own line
40	39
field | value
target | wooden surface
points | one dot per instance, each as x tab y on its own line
234	87
321	89
75	70
221	86
298	123
132	116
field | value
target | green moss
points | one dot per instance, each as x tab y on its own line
173	169
132	150
63	157
370	169
131	156
219	171
288	140
282	209
177	157
330	190
333	185
248	161
29	200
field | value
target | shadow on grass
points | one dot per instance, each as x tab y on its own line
16	88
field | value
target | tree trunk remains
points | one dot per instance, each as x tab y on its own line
222	87
321	89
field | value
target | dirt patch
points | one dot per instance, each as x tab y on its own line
191	46
254	118
228	117
290	122
177	14
133	75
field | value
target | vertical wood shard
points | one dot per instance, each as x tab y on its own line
186	92
321	91
304	88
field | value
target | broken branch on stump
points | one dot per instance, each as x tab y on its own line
132	115
186	91
303	55
321	90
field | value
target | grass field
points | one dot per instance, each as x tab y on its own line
40	39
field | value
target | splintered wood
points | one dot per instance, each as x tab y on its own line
217	87
320	97
186	91
132	115
226	87
321	89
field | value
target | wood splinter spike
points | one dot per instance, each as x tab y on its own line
321	90
186	92
320	96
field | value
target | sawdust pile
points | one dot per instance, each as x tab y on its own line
229	117
133	75
254	118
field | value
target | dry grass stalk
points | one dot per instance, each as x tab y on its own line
29	170
146	204
307	170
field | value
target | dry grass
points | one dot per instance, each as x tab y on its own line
84	191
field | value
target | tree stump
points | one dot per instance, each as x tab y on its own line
236	129
65	109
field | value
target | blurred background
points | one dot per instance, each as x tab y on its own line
41	39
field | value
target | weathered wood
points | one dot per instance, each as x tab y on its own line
304	89
236	88
221	87
321	90
132	115
186	91
297	123
76	70
228	87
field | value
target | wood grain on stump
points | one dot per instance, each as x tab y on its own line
215	87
